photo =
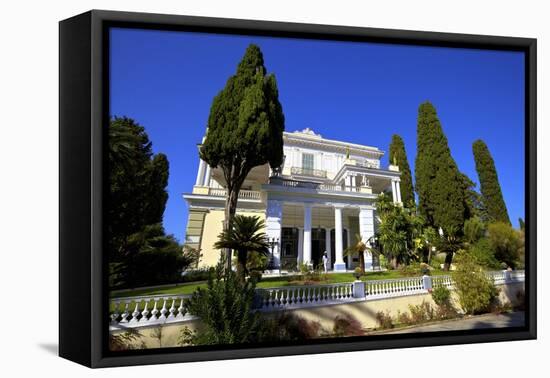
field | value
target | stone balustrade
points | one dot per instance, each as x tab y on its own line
243	194
302	296
394	288
148	310
159	309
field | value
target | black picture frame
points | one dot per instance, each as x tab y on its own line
83	109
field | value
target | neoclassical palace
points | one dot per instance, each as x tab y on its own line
320	200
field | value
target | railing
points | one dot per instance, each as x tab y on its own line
314	185
303	296
153	310
300	171
148	310
243	194
394	288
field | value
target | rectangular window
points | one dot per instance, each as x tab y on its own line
307	163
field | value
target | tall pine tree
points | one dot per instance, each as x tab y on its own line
245	128
439	183
489	185
398	156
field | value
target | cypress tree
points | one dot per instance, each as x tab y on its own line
439	183
398	156
245	128
489	185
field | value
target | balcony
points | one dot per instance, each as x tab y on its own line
222	193
324	187
308	172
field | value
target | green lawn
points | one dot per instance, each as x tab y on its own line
189	288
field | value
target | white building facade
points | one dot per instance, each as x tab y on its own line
321	201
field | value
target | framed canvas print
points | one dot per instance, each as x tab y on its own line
234	188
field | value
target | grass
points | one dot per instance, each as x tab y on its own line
291	280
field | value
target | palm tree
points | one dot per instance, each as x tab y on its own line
244	236
358	249
450	242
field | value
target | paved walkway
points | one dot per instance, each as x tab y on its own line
514	319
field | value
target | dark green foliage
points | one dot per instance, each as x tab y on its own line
441	296
506	243
152	258
225	308
244	237
474	229
449	243
137	179
476	292
473	202
483	254
398	156
521	224
399	228
245	127
439	183
490	187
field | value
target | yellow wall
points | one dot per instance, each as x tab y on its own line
213	226
364	312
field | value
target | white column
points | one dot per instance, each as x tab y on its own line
366	229
328	247
339	264
307	234
207	175
200	173
300	246
398	191
273	227
393	191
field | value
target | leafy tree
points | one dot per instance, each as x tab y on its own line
449	243
474	229
439	183
521	224
473	202
397	231
152	257
226	310
505	242
137	184
245	236
490	187
245	128
483	254
398	156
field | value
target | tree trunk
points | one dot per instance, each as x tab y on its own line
229	214
362	262
241	265
394	263
448	261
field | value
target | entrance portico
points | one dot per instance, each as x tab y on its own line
307	230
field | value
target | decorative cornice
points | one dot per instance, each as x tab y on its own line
311	139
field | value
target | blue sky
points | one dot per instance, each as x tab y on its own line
357	92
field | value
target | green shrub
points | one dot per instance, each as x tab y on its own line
483	254
414	269
347	325
474	289
288	327
421	313
506	243
474	230
384	320
441	295
226	311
